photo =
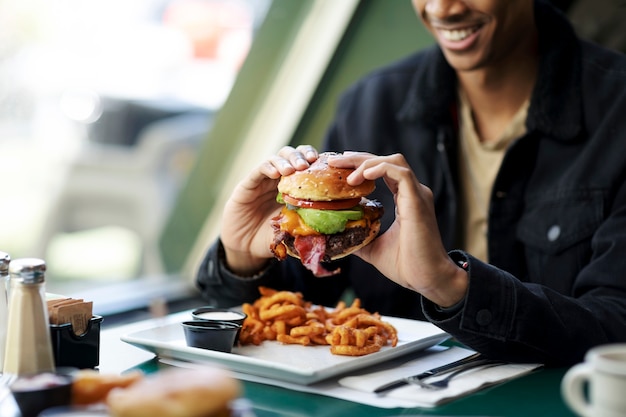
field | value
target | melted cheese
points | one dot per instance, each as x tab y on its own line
293	224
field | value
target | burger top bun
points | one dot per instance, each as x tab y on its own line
176	392
321	182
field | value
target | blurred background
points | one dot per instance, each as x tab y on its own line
103	105
125	124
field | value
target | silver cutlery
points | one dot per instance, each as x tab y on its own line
444	382
450	367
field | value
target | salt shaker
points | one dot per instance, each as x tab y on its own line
5	259
28	345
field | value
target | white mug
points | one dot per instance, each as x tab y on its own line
604	373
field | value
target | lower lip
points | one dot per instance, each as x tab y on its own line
459	45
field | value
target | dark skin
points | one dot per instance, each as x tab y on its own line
491	45
496	63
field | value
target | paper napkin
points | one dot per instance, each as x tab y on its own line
463	384
359	386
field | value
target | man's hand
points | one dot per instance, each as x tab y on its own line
410	252
246	232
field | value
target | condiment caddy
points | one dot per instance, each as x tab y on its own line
36	334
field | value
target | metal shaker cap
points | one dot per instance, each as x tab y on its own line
28	270
5	259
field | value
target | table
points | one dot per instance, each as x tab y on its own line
535	394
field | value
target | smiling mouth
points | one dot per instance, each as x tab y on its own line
456	35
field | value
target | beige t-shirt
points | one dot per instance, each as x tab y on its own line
478	166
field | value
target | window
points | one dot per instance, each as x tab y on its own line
103	105
124	125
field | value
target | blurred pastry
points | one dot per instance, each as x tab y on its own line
177	392
92	387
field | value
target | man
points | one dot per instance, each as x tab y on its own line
506	140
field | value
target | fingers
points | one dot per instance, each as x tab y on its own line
349	159
299	157
286	162
392	168
308	151
289	160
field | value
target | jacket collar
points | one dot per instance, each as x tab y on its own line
556	103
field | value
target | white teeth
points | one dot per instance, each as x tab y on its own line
457	35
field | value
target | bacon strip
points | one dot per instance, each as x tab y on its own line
278	247
311	250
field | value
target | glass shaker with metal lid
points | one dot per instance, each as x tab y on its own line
29	346
5	259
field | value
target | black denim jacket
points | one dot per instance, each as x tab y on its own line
555	284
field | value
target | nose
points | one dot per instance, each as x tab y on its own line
441	9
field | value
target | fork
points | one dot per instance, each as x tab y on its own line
444	382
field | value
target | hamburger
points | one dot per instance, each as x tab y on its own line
323	218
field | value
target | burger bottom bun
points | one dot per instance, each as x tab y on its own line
373	232
177	393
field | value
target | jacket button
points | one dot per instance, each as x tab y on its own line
554	232
483	317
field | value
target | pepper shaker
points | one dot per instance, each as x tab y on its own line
28	345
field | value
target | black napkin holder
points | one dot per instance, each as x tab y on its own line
77	351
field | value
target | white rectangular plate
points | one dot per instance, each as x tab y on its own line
290	363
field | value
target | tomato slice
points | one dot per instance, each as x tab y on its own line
322	205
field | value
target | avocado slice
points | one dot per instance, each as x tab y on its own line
329	221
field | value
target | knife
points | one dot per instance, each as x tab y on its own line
449	367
